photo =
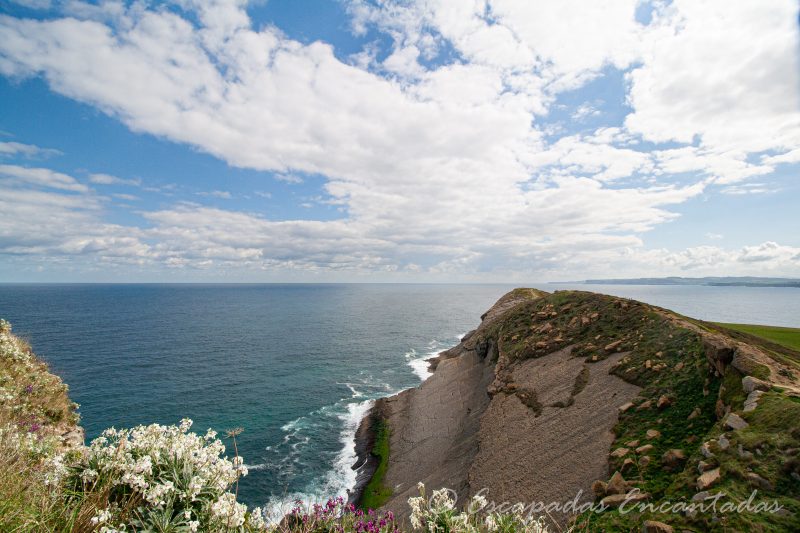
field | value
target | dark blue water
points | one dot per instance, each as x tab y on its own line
294	365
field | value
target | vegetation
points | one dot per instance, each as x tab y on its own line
375	493
789	337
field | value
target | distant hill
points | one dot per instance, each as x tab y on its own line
745	281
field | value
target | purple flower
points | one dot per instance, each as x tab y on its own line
35	427
29	389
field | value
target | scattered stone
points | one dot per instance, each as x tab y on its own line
615	500
701	496
619	453
546	328
632	444
744	454
648	364
673	459
704	466
594	316
679	367
616	485
624	407
734	421
751	402
652	526
645	405
708	479
694	414
644	460
750	384
705	450
613	346
720	409
759	482
653	434
723	442
541	344
664	401
644	449
585	321
599	488
627	464
659	354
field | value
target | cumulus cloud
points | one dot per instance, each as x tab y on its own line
436	165
8	149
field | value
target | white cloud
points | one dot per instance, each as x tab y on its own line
42	177
435	168
26	150
108	179
725	73
225	195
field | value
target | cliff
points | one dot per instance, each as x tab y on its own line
579	396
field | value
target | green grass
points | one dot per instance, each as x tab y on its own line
789	337
375	493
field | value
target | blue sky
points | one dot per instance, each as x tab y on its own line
408	141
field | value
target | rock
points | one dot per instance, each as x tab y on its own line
541	344
734	421
644	449
648	364
651	526
701	496
653	433
613	346
645	405
664	401
750	384
585	321
679	367
751	402
759	482
599	488
644	460
694	414
627	464
718	352
703	466
708	479
632	444
619	453
594	316
720	409
624	407
744	454
723	442
615	500
546	328
705	450
616	485
673	459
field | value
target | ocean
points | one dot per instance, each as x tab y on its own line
295	365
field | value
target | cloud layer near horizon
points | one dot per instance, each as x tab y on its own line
439	167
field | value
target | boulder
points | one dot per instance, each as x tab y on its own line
645	405
653	434
619	453
627	464
644	449
624	407
615	500
701	496
705	450
694	414
759	482
703	466
679	367
750	384
723	443
751	402
613	346
664	401
644	460
632	443
652	526
718	352
599	488
734	421
673	459
616	485
708	479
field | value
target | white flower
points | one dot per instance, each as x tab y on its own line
102	516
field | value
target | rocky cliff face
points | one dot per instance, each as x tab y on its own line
554	393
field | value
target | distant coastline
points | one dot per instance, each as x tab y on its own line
744	281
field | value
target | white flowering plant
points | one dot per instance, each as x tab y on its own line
163	478
439	514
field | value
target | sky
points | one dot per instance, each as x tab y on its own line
407	141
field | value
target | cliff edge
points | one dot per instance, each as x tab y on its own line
577	396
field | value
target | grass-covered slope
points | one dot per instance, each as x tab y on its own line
691	376
789	337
